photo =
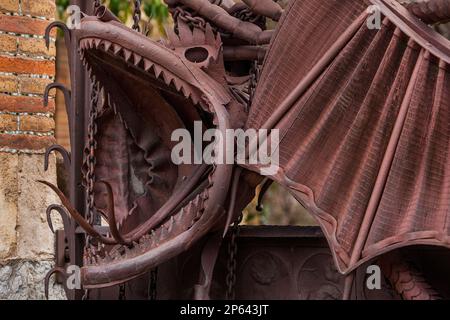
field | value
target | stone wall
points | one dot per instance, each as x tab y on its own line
26	129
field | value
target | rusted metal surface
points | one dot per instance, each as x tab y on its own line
363	116
364	120
272	263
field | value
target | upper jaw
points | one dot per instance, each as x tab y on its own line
152	57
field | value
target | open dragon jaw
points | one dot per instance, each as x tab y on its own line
363	115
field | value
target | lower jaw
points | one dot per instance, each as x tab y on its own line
100	276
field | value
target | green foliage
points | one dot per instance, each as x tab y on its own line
61	6
154	9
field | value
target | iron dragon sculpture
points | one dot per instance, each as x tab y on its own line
363	116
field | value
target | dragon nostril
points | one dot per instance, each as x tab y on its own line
196	54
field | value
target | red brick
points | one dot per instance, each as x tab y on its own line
39	8
24	65
25	104
8	122
34	46
22	141
34	85
24	25
8	43
8	84
9	5
36	123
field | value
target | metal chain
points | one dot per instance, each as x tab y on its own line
137	15
152	286
97	3
122	295
92	146
90	174
254	77
232	246
232	260
179	13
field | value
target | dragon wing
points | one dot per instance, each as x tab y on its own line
364	118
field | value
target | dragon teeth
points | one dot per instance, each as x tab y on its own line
137	58
116	49
97	42
126	54
107	45
147	65
177	84
167	78
158	70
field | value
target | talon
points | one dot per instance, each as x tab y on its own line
265	186
67	95
60	86
234	190
63	27
63	152
111	215
49	274
90	230
62	212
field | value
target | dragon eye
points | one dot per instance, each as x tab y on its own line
196	54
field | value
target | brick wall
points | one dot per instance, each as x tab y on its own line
26	129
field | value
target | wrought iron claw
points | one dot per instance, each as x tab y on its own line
67	94
90	230
62	212
49	274
63	27
233	194
63	152
111	215
264	187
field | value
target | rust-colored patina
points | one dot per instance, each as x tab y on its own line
363	116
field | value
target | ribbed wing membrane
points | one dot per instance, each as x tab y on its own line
364	120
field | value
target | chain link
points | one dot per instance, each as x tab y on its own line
97	3
254	77
232	260
90	174
181	14
92	146
232	246
122	295
152	286
137	15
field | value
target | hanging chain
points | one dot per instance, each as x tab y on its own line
232	260
181	14
122	295
90	174
92	146
137	15
232	246
152	286
97	3
254	77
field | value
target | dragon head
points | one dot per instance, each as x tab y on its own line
155	208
